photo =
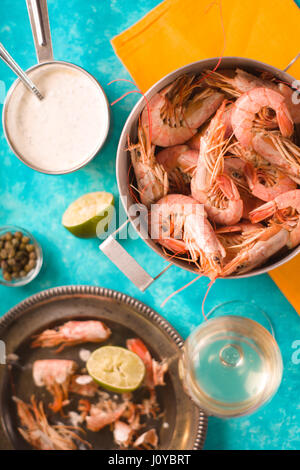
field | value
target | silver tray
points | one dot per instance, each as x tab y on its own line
127	317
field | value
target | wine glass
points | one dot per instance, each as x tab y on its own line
231	364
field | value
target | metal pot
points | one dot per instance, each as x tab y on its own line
116	253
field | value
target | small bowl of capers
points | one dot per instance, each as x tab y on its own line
21	256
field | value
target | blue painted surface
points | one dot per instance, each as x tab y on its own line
81	31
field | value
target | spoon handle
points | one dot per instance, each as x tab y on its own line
39	20
6	57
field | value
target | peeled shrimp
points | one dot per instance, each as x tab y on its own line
152	179
72	333
176	115
249	104
55	375
286	208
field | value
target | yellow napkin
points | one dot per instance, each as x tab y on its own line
178	32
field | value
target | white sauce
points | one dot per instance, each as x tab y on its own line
64	129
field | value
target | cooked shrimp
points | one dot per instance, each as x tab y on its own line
179	221
209	185
235	237
255	253
72	333
279	151
176	115
155	371
235	168
37	431
55	375
213	146
194	142
266	182
286	208
293	108
249	104
179	162
151	178
240	82
235	82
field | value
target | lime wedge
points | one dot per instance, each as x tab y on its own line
90	215
116	369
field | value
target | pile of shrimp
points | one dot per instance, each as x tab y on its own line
96	408
217	167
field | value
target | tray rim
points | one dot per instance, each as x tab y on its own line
69	290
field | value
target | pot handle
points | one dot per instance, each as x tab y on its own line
126	263
292	62
39	20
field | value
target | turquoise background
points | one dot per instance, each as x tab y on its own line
81	33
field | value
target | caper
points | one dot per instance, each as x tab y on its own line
31	263
16	268
8	236
23	273
21	254
25	240
18	235
27	268
11	262
11	253
8	245
7	276
30	248
22	246
15	242
3	254
4	265
32	255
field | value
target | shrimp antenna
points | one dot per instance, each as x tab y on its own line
179	290
205	296
129	93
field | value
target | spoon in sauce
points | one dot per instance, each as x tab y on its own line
6	57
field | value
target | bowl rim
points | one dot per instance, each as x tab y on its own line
227	62
40	258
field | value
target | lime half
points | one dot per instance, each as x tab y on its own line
90	215
116	369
